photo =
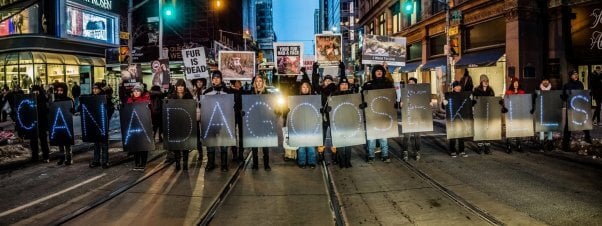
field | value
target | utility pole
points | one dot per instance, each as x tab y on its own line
447	42
160	29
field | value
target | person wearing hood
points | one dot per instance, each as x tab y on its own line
41	137
407	136
327	89
139	96
315	77
466	81
101	149
483	90
378	81
259	89
180	93
456	88
65	150
218	87
572	84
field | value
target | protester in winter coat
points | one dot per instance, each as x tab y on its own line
328	88
258	89
180	92
407	136
572	84
514	88
237	151
41	137
65	150
139	96
466	81
545	138
378	82
344	153
101	149
483	90
456	88
199	88
595	84
306	156
156	106
217	88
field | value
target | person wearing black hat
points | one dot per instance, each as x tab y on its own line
65	150
217	88
343	154
199	87
572	84
41	137
328	88
180	92
407	136
378	81
456	88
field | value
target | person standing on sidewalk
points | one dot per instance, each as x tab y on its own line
101	148
41	137
217	88
453	152
259	89
65	150
595	81
328	88
344	153
378	81
237	150
572	84
139	96
483	90
306	156
156	98
199	87
407	137
545	138
181	92
514	89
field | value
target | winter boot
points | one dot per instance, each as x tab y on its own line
210	161
266	163
224	160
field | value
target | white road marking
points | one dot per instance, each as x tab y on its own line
19	208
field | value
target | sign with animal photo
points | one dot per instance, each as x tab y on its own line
519	121
329	49
459	121
195	63
217	120
136	127
26	112
346	120
416	111
260	124
131	75
94	118
380	113
304	121
378	49
61	123
487	118
548	117
579	115
179	124
237	65
289	58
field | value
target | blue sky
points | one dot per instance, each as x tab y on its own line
294	21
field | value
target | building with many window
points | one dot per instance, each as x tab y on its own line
265	29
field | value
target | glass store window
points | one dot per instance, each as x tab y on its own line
23	22
56	73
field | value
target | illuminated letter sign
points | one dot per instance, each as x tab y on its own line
519	121
179	124
416	111
94	121
381	115
487	118
459	121
136	127
579	115
217	120
259	121
304	121
547	114
27	116
61	126
346	120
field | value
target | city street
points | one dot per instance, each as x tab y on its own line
528	188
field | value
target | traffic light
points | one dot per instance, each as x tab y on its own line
168	11
408	7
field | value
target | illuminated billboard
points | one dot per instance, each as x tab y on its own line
83	24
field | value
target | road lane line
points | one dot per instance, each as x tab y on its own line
32	203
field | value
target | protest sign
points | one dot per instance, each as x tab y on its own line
458	122
579	115
161	73
519	121
179	124
195	63
487	118
304	121
289	58
131	75
260	125
26	112
381	115
61	123
329	49
547	115
217	120
237	65
346	120
416	111
94	118
136	127
378	49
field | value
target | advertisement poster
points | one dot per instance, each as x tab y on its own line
161	73
131	75
237	65
89	25
195	63
379	49
289	58
329	49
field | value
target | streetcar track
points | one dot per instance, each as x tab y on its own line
334	198
447	192
113	194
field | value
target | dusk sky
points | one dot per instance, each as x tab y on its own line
294	21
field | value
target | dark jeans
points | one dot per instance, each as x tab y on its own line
199	144
266	157
407	141
101	152
66	153
237	151
452	145
596	117
211	151
140	158
42	140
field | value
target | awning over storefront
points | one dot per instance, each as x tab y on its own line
480	59
410	67
433	63
26	57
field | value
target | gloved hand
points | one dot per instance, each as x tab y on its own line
363	105
504	110
501	102
396	105
327	109
242	113
532	111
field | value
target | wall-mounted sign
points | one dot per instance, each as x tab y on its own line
88	25
586	32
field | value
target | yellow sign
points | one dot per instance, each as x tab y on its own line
453	30
124	35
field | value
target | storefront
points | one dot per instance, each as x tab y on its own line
586	36
487	62
43	41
